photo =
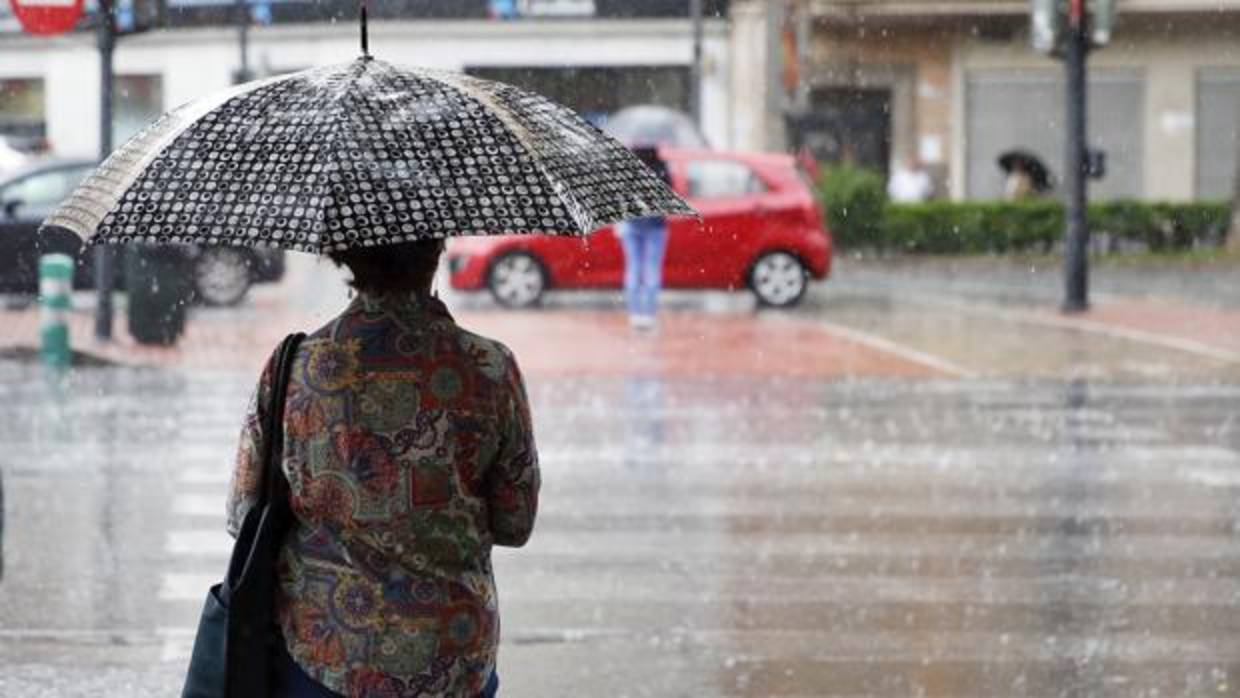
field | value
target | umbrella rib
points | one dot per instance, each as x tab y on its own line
335	99
127	164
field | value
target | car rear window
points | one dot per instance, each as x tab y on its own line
717	179
43	190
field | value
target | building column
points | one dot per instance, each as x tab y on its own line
750	58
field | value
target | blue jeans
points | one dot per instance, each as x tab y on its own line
644	241
491	690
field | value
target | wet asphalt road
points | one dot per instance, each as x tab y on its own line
1061	520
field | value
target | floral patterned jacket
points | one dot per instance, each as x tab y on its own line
409	452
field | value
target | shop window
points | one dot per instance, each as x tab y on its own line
22	121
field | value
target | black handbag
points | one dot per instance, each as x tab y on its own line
232	655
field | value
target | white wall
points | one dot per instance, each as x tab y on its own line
195	62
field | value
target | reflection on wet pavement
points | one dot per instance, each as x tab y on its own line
753	535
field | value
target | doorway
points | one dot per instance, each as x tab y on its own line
846	124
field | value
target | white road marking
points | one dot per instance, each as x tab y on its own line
905	352
1212	478
1179	343
205	475
177	647
1084	325
202	542
205	505
186	586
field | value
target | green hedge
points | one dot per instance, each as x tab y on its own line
943	227
854	199
860	218
1163	226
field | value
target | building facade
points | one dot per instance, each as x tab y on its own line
954	84
596	57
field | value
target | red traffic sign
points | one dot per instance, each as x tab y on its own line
47	17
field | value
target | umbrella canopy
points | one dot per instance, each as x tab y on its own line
1031	164
362	154
649	125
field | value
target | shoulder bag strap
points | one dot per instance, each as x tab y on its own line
275	484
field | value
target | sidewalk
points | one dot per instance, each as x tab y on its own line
549	343
1188	312
1216	329
824	339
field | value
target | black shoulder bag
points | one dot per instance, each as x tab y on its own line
233	647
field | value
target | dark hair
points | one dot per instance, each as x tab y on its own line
404	266
649	155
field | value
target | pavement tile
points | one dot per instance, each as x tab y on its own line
1208	326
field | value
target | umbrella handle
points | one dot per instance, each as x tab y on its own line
365	35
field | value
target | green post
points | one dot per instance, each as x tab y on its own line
55	300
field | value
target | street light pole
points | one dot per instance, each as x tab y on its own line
1076	253
243	40
695	73
104	271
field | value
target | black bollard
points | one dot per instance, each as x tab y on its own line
157	279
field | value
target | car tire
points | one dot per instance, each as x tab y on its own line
222	276
517	280
778	279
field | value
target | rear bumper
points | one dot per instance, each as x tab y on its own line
818	255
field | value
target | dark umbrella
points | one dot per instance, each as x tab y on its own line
362	154
1029	163
650	125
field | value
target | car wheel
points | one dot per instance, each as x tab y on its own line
778	279
517	280
222	275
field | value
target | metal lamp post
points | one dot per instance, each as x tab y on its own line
1070	29
1076	237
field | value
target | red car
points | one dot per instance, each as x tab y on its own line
761	228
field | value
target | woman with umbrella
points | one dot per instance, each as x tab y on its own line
644	240
1025	176
645	244
404	442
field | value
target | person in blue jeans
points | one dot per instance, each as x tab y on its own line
504	9
645	242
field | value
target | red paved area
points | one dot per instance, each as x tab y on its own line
591	342
210	346
602	343
555	343
1216	328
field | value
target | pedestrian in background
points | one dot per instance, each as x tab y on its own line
645	243
409	452
910	183
504	9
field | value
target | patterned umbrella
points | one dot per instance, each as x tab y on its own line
362	154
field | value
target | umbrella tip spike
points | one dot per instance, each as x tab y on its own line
365	36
